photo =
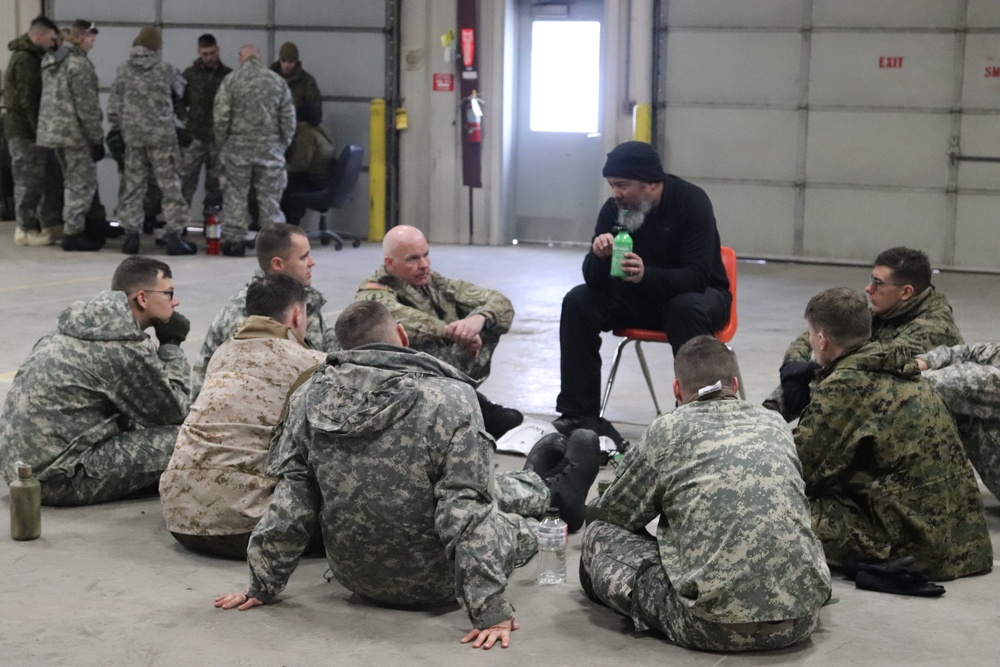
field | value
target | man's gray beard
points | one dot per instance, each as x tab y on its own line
634	218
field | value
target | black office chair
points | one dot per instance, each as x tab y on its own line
342	181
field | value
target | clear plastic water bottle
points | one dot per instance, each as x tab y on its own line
552	537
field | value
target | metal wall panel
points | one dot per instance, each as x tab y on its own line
180	45
878	148
244	12
110	50
726	13
356	14
66	11
733	67
983	14
980	137
858	224
981	78
344	64
885	13
731	143
759	220
976	231
856	69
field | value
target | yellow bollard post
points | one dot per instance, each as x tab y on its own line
376	172
642	123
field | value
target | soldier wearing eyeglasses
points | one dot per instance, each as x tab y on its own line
96	406
905	307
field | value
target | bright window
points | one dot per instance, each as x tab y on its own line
565	76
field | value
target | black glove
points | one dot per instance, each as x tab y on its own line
795	379
97	152
184	137
894	576
173	331
116	146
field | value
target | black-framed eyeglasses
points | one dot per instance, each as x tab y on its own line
168	292
878	283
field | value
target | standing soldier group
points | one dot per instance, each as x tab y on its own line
243	120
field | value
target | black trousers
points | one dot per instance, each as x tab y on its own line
586	312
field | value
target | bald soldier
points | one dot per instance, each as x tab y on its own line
450	319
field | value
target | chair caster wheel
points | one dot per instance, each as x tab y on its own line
338	245
356	243
324	240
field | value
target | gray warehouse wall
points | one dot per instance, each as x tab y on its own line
832	129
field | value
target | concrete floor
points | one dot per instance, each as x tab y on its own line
107	585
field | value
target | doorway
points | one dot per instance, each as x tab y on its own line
557	143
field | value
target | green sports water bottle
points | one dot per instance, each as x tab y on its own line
622	245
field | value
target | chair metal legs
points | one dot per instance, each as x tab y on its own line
649	378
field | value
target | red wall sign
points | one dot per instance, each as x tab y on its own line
993	71
444	83
890	62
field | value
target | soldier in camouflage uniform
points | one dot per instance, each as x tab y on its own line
96	406
384	448
905	307
195	108
69	120
885	471
734	565
284	249
967	377
450	319
37	201
141	108
303	85
216	489
254	124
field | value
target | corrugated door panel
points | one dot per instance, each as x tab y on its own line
977	230
981	80
330	14
730	143
180	45
983	14
980	137
885	69
66	11
733	67
726	13
757	219
344	63
858	224
110	50
243	12
878	148
885	13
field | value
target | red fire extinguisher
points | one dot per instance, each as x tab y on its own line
474	120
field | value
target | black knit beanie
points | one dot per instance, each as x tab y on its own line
636	160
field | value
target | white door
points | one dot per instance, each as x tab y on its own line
558	152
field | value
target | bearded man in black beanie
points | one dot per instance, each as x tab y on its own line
674	277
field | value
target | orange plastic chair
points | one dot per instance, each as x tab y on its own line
640	336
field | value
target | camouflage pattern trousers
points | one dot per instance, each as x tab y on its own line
163	164
114	468
197	154
521	498
266	172
623	571
981	438
79	185
38	201
477	368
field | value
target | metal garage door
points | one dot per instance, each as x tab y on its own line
832	129
346	45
